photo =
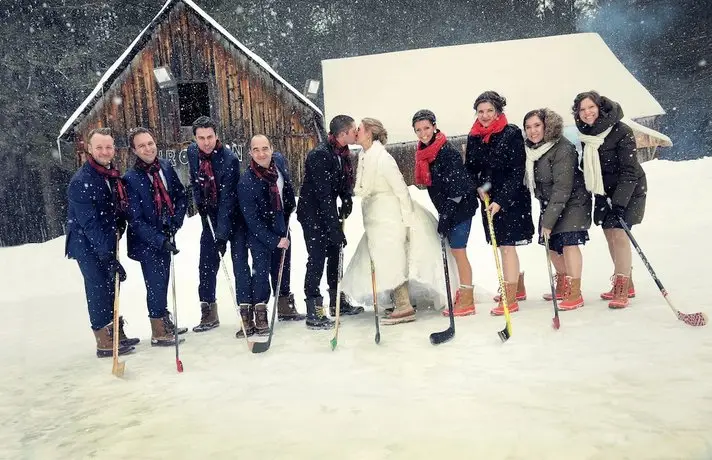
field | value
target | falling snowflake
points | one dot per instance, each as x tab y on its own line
239	10
117	100
702	63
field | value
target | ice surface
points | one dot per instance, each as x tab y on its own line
608	385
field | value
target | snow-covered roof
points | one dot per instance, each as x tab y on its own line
530	73
124	60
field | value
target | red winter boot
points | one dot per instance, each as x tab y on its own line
608	295
464	302
561	287
512	302
521	290
621	291
572	298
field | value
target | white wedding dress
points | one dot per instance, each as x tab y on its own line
401	237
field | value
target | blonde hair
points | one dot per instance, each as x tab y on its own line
378	132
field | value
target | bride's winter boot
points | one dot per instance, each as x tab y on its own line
347	308
521	289
512	302
464	302
404	311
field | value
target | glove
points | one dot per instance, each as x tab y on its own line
221	245
618	211
347	205
444	224
169	246
115	267
337	238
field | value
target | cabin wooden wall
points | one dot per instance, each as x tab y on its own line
244	98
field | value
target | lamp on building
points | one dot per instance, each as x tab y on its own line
164	77
311	89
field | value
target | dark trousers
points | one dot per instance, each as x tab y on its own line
265	272
319	251
210	264
156	267
99	290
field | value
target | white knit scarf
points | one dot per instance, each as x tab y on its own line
592	162
533	156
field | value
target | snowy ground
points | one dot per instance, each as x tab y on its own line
630	384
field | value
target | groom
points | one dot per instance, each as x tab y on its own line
329	174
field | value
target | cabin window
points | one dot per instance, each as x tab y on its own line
194	102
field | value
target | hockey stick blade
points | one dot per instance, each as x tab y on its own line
179	365
261	347
436	338
377	338
692	319
555	323
504	334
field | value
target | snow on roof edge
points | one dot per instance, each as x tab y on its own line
99	86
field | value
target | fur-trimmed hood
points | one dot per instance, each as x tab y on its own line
553	127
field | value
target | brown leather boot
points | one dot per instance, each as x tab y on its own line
572	297
521	290
208	317
261	322
105	343
160	336
247	314
620	292
512	302
560	279
123	338
286	310
464	302
404	311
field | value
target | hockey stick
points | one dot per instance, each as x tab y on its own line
117	367
335	339
231	286
436	338
505	333
261	347
375	303
693	319
555	321
179	363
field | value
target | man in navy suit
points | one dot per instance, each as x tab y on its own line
157	204
329	174
95	220
214	174
267	200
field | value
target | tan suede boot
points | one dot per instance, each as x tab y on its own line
404	311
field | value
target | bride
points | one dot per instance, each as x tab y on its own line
400	236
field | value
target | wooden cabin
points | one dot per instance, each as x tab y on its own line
184	65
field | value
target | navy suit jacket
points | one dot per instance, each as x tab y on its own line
92	221
226	168
145	226
265	226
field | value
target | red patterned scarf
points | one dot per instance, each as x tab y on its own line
271	176
497	126
347	166
426	154
160	194
206	176
121	199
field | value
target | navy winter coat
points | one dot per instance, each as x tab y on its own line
451	180
145	226
324	181
91	216
226	168
265	226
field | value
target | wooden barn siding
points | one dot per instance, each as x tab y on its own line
245	99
